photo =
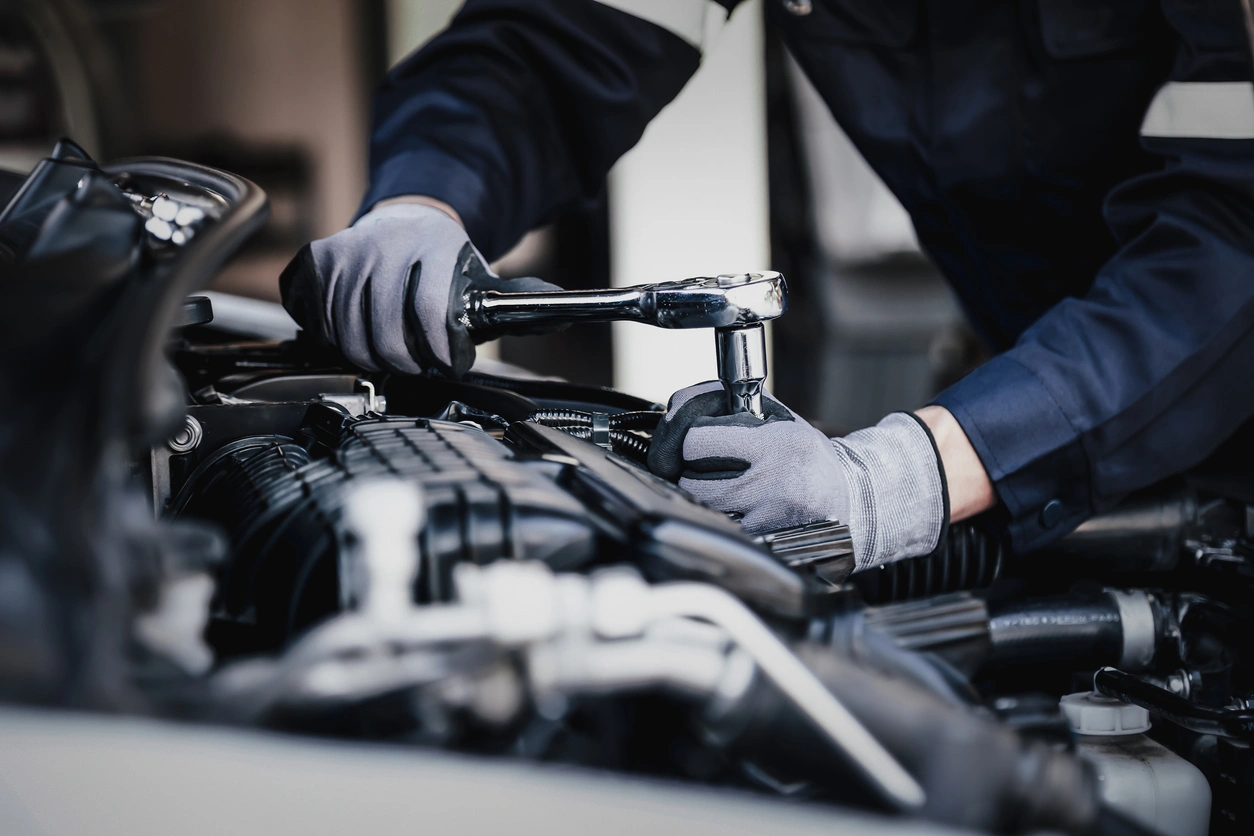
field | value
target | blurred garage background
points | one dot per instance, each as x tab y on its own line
279	91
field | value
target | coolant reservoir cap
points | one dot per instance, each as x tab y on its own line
1091	713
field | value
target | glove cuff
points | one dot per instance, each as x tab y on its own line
943	537
897	497
403	211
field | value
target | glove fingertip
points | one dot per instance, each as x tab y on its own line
664	459
302	261
462	362
296	282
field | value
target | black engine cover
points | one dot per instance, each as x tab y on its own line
282	503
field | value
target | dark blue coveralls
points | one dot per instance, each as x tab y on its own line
1082	171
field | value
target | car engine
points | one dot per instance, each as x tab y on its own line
200	523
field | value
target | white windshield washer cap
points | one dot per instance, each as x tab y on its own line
1091	713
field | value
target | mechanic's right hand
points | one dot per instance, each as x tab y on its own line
387	291
885	482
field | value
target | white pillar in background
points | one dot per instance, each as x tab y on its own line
691	200
411	23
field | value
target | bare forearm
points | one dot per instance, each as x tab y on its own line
970	489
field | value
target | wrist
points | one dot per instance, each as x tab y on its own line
970	489
419	200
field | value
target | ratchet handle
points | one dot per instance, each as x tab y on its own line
727	301
491	311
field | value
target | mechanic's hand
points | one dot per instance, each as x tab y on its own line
388	290
885	482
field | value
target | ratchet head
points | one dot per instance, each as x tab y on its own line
719	302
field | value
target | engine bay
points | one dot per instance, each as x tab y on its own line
204	525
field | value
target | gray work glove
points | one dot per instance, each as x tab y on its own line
387	291
884	482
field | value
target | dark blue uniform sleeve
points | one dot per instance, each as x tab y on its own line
517	111
1153	368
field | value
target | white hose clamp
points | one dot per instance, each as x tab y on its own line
1136	615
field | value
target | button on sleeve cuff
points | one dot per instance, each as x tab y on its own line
1030	449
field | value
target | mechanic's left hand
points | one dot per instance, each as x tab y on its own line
885	482
388	292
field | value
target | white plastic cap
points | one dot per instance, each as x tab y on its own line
1091	713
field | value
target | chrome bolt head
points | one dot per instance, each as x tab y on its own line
188	436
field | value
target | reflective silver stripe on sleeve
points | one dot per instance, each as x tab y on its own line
684	18
1201	110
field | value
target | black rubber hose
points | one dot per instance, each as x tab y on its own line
1144	533
1236	723
971	559
923	641
635	420
631	446
562	418
623	443
1085	631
